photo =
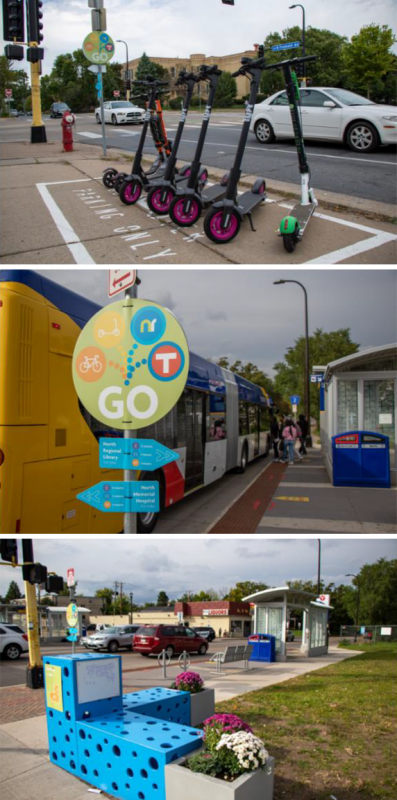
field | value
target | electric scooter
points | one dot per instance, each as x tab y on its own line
162	193
292	227
112	178
187	205
223	221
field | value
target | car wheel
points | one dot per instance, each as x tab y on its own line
145	655
264	132
98	119
12	651
169	650
202	650
114	120
113	647
362	137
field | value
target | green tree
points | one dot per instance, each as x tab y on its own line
148	67
255	375
377	584
13	592
368	57
15	79
324	348
244	589
209	594
162	599
71	82
107	596
226	91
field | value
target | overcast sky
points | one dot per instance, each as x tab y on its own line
241	315
181	564
181	27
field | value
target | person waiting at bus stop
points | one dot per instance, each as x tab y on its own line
304	426
275	433
291	432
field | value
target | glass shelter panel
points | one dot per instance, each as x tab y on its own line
275	626
318	628
347	406
379	411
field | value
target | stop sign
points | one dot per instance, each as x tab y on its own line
116	93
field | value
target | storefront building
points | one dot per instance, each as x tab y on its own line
225	617
360	394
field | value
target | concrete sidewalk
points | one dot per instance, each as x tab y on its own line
26	771
69	217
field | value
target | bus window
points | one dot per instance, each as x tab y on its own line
216	420
253	416
181	421
243	419
265	419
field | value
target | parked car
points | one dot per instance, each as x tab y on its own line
14	112
119	112
58	109
110	639
329	114
153	639
13	641
206	633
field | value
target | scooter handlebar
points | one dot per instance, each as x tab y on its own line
249	64
205	71
150	82
291	61
185	77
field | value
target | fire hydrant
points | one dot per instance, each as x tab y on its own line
68	120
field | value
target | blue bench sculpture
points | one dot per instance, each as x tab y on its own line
118	743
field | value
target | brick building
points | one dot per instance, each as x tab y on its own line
227	615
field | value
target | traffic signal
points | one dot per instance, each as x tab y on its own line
35	25
34	54
54	584
13	21
14	52
299	69
228	2
34	573
9	550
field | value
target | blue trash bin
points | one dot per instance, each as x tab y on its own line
361	458
264	645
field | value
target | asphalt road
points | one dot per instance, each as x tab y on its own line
13	673
334	168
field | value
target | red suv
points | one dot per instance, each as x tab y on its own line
153	639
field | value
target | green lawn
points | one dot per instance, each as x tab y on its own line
333	731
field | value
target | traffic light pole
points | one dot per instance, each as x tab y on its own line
130	519
37	132
34	674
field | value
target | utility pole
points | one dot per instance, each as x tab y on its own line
318	567
131	607
35	54
34	678
121	598
130	519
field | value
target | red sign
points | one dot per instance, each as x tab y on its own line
116	93
70	577
166	361
120	279
8	92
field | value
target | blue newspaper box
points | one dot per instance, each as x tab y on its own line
264	645
361	458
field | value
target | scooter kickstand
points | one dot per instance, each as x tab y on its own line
251	223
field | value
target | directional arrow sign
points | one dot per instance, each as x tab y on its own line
123	496
120	279
287	46
295	400
142	454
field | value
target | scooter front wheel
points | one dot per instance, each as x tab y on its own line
289	242
158	204
119	181
182	218
108	177
214	229
130	192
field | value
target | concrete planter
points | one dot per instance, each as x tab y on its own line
181	783
202	706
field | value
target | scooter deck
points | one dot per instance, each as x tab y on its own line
212	194
248	201
302	214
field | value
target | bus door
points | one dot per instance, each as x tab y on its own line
195	437
254	423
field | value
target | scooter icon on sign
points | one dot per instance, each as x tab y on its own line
115	332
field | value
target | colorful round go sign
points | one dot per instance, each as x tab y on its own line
72	616
130	364
98	47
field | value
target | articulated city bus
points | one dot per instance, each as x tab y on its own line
49	443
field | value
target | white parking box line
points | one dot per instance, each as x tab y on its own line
70	237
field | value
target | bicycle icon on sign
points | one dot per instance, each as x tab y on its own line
91	363
115	332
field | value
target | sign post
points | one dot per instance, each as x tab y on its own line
130	366
99	48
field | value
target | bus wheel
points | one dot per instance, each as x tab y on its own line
147	522
243	460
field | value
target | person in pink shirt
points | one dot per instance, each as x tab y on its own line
290	434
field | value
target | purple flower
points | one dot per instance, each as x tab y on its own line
189	681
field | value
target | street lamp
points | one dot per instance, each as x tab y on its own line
131	607
127	72
351	575
299	5
307	358
318	567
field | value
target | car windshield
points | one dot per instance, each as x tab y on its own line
123	104
349	98
60	106
147	631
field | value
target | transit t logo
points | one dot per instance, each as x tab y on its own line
130	364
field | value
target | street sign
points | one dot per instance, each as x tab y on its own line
120	279
72	637
8	92
317	377
72	616
123	496
142	454
294	408
295	399
130	364
73	631
96	68
116	93
324	598
98	47
70	577
288	46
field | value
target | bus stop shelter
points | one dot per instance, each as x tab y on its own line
272	609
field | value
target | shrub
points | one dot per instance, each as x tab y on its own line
175	103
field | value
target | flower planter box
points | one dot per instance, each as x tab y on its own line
181	783
202	706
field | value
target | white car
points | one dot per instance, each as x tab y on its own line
13	641
329	114
119	112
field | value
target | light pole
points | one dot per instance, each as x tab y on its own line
127	71
299	5
131	608
319	568
307	358
351	575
